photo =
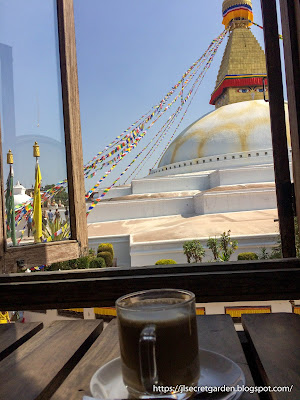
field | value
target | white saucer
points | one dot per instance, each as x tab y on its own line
216	371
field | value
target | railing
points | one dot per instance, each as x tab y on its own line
211	282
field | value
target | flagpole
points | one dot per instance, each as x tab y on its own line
10	203
37	206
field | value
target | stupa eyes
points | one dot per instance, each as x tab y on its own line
247	90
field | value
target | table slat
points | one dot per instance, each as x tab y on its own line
13	335
37	368
105	348
217	333
275	340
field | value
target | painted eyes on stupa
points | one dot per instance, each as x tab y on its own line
247	90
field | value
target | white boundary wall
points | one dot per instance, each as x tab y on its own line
148	253
133	254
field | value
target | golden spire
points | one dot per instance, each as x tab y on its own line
243	65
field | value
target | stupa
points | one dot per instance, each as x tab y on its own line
20	197
217	175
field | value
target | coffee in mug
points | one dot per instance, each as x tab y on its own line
158	341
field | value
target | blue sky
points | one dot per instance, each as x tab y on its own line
130	53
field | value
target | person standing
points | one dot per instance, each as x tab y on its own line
44	218
50	216
29	224
57	215
67	214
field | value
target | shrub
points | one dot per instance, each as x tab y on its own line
263	254
97	262
193	250
72	263
77	263
165	262
92	253
248	256
82	262
63	265
107	257
106	247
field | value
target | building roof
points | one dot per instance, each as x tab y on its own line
196	226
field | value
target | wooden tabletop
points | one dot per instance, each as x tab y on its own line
58	362
275	342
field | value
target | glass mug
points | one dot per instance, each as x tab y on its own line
158	342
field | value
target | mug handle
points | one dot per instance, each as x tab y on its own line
147	353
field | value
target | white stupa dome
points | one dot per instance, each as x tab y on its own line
19	194
238	127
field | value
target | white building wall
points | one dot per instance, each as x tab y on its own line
174	183
245	175
117	191
123	210
234	201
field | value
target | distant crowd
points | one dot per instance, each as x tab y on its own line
47	217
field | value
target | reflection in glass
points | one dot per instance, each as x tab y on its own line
31	111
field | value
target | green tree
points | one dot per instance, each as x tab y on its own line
213	245
193	250
227	246
223	247
62	195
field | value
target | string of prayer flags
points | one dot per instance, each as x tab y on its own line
129	139
261	27
211	53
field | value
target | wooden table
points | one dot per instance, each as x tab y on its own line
275	345
57	362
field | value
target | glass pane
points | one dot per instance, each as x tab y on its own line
31	111
206	174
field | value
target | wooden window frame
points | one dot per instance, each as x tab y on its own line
217	282
263	280
47	253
